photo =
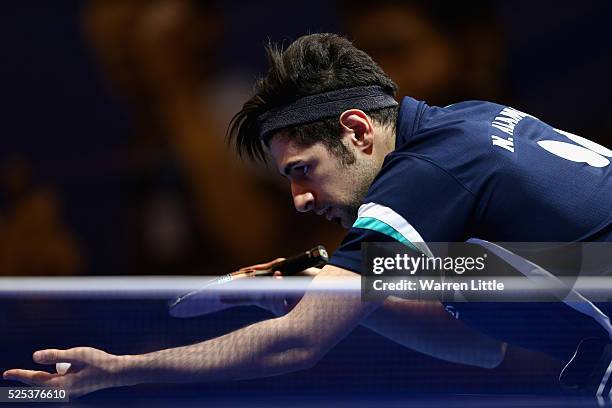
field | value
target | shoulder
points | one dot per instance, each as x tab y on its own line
461	130
416	117
465	120
461	140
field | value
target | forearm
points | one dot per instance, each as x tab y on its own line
263	349
289	343
427	328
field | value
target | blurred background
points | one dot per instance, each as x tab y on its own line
114	113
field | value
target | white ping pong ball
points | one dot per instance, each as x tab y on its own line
62	368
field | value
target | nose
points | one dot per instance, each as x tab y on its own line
303	200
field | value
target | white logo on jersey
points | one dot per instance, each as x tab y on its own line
507	144
506	121
588	152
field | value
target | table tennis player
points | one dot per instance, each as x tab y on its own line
386	171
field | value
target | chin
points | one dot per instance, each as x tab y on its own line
346	224
344	216
339	222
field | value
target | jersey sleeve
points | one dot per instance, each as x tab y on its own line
411	201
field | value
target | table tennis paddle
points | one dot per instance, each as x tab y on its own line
207	299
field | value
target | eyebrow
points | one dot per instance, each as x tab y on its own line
289	166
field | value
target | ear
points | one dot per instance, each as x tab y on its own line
358	128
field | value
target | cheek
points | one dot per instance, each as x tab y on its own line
336	190
333	185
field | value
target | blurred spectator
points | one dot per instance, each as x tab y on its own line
33	237
438	51
550	62
192	203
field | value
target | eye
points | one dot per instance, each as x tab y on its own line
301	170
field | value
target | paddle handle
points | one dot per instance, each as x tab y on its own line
313	257
316	256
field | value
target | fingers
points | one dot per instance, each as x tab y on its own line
52	356
31	377
310	272
263	266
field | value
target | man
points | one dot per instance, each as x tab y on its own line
409	173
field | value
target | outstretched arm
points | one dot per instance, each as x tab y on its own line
292	342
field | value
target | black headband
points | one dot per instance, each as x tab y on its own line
322	106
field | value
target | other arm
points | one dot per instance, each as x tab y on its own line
426	327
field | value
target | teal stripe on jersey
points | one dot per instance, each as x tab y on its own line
383	228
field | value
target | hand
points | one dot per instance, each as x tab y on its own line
279	304
91	369
312	272
262	266
274	301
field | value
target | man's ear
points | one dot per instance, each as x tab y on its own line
358	127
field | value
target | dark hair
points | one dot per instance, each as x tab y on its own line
312	64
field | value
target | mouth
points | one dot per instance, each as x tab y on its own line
333	218
328	214
322	211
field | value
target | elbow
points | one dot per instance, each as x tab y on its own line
303	359
296	351
311	358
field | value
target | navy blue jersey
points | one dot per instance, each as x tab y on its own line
479	169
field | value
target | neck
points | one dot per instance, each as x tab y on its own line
387	142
